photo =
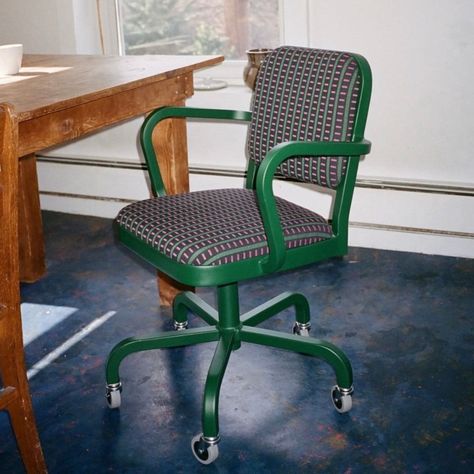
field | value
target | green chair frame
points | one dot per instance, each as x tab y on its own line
226	325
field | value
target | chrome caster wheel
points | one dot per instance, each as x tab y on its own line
180	326
302	329
205	450
342	398
112	395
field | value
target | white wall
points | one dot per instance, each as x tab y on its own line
51	26
422	56
421	53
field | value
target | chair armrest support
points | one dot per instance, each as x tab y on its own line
264	189
163	113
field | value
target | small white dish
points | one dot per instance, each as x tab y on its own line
208	84
10	58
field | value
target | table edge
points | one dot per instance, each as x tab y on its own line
65	104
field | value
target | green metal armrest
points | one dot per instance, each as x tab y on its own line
163	113
264	179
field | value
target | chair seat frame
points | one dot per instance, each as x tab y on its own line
279	258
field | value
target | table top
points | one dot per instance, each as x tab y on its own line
48	83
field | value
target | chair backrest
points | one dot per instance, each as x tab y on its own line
308	95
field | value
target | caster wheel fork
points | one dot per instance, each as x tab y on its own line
180	326
342	398
205	450
302	329
113	395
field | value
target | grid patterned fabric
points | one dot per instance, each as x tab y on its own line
216	227
308	95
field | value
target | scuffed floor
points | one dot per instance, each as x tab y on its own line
405	321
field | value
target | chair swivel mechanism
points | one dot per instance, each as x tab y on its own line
306	123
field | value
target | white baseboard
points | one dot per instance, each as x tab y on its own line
414	240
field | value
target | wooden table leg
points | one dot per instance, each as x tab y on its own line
169	288
170	142
14	388
20	409
32	255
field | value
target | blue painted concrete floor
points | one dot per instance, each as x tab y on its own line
404	320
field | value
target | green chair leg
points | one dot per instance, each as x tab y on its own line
304	345
210	413
159	341
188	301
275	306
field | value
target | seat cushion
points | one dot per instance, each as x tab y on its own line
216	227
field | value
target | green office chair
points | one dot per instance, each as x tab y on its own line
307	123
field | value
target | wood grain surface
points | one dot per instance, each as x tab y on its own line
14	389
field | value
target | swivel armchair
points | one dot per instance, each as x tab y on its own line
306	123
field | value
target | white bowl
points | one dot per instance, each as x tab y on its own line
10	58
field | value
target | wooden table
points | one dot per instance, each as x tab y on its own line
58	98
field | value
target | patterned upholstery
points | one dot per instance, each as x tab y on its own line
305	94
216	227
